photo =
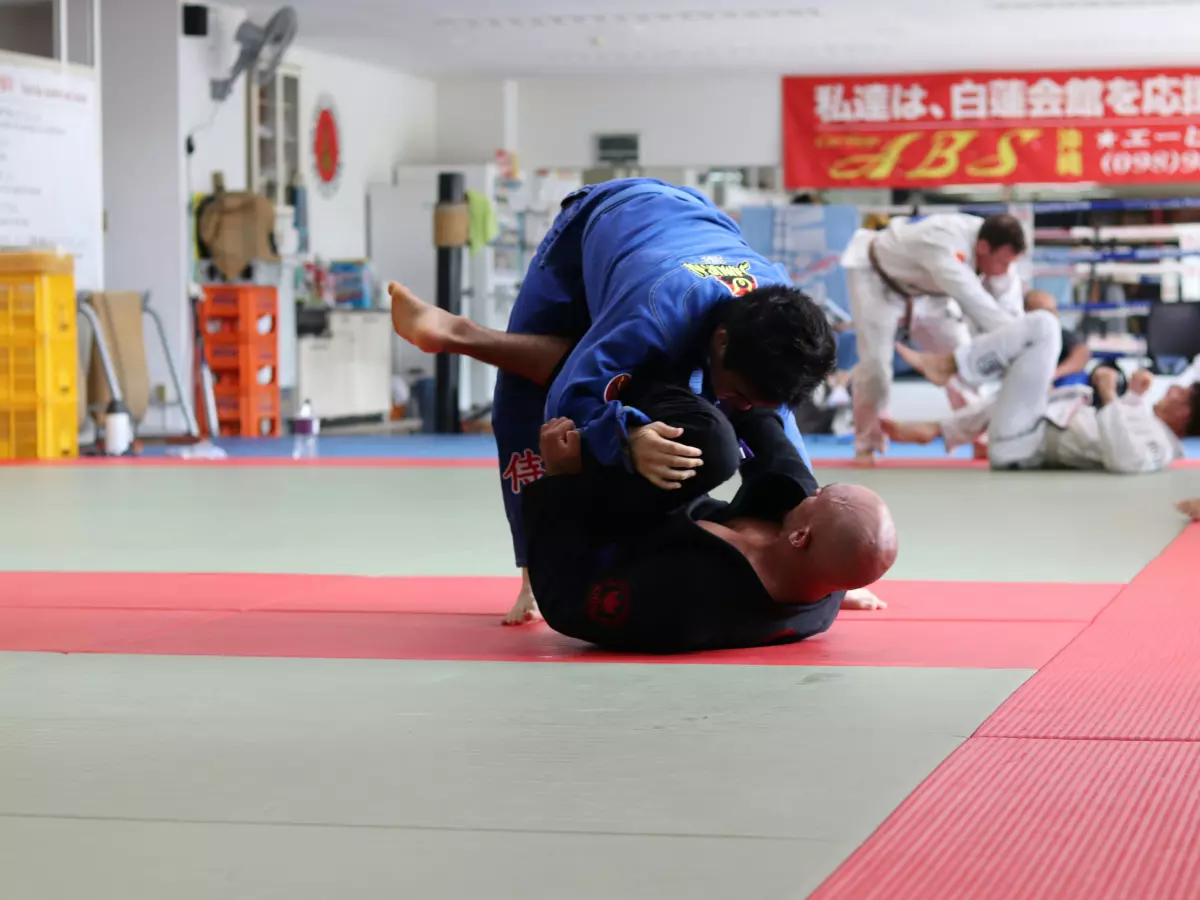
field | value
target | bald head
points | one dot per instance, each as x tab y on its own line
1040	300
844	538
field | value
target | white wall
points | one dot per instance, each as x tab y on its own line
143	165
384	118
729	119
475	118
219	129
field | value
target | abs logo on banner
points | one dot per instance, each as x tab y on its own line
1135	126
327	146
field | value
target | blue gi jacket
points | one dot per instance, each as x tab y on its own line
656	260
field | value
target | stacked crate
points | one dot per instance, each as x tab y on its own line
39	357
240	328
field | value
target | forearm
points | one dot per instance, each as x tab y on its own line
606	435
1076	361
956	280
981	308
763	432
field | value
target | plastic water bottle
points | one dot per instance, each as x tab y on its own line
305	427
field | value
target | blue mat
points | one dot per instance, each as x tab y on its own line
482	446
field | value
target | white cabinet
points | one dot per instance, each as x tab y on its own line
348	373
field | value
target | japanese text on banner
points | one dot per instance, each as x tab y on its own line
954	128
1011	98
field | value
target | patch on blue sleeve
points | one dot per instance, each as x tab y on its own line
736	277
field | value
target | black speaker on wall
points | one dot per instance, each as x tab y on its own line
195	20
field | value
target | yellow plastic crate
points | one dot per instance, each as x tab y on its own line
38	370
38	328
40	431
37	295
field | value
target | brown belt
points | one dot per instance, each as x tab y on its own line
893	286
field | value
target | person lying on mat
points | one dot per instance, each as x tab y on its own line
1029	427
636	273
770	567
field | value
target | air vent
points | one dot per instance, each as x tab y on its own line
617	149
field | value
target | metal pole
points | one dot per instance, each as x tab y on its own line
110	373
449	298
189	419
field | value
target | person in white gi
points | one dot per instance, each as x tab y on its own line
922	276
1029	426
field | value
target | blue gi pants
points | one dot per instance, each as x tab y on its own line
551	301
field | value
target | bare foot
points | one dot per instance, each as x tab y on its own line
937	368
862	599
424	326
912	432
525	609
1190	508
980	450
865	458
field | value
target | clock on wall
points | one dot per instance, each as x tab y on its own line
326	146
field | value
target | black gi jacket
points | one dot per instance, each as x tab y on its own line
671	586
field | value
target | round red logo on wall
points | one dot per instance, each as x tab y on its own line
327	146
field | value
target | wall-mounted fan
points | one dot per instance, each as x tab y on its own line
262	50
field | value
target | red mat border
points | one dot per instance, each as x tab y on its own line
1080	815
959	625
384	462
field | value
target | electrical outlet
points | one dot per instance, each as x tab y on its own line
159	393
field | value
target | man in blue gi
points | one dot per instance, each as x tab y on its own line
635	277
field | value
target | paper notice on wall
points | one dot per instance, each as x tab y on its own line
50	164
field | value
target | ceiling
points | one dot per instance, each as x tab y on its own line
541	37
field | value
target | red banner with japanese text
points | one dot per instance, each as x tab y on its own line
1115	127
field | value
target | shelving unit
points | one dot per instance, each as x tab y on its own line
273	133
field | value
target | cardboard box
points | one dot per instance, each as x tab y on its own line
236	229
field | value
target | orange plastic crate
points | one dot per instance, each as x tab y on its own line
253	413
243	365
225	353
246	378
238	309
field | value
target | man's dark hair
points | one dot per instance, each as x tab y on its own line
1003	230
1193	426
780	341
